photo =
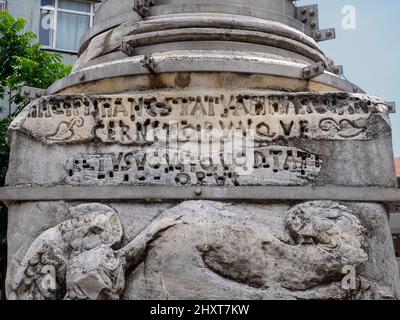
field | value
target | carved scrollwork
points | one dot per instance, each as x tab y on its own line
344	128
65	130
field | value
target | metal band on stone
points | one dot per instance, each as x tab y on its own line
215	34
329	116
122	11
197	61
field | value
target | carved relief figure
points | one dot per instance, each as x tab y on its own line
264	166
218	249
224	250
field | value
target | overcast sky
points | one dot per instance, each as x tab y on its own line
370	53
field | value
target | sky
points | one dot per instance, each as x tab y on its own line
369	53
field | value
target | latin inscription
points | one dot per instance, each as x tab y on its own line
142	119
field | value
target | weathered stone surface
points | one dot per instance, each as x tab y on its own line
139	119
201	94
246	254
176	138
80	257
90	227
204	249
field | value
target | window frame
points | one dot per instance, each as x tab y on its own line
54	14
3	5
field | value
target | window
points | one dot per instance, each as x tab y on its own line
63	23
3	5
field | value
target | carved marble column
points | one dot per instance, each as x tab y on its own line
198	151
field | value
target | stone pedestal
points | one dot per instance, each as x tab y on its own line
202	151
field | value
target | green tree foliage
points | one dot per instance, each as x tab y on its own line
22	63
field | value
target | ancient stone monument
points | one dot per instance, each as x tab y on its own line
202	150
